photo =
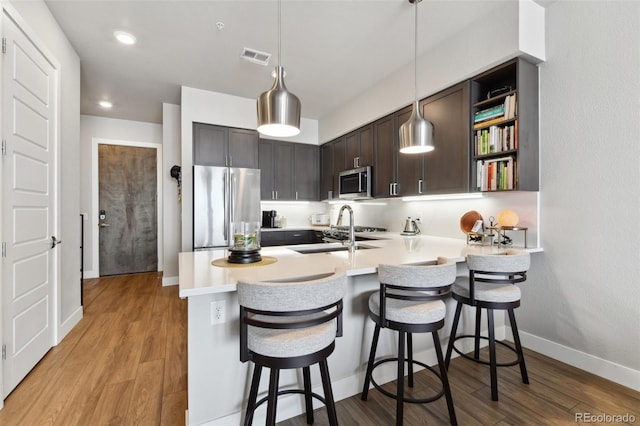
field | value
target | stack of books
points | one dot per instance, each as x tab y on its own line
497	174
496	139
496	114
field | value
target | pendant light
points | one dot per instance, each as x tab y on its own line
279	109
416	134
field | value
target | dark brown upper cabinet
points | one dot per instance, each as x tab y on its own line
224	146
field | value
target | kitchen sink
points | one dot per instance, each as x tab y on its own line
327	248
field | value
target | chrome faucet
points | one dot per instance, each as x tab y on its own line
352	238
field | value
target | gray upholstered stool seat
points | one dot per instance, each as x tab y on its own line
410	312
487	292
410	301
491	286
290	324
290	342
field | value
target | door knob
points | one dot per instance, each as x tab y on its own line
55	241
103	224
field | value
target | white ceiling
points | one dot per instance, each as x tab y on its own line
332	50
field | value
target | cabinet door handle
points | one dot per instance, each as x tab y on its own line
420	183
230	161
395	188
276	195
356	162
391	189
296	195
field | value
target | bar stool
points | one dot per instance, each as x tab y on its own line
285	325
410	301
490	286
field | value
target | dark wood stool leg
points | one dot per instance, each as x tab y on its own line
308	401
372	357
476	347
410	358
492	356
444	378
400	391
272	400
253	395
328	393
452	336
516	340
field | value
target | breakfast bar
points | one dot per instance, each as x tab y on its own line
218	383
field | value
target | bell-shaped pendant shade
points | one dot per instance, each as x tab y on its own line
279	109
416	134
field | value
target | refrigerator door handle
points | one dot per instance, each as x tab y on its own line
225	187
231	206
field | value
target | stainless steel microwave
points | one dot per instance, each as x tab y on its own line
355	184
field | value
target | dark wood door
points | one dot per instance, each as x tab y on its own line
128	199
447	166
243	148
366	145
267	171
210	145
409	165
283	170
359	147
326	172
384	173
352	149
305	172
339	162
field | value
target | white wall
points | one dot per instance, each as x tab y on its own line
581	302
39	19
92	127
172	219
519	31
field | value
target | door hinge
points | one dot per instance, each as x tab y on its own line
4	45
4	249
4	352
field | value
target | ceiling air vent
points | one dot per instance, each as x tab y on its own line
255	56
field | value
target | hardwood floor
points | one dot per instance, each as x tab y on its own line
125	363
557	393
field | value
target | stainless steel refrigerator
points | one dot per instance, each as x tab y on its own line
222	195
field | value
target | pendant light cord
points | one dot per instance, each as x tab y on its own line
279	32
415	53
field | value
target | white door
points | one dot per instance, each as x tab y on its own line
29	109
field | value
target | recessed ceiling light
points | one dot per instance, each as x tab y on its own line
105	104
124	37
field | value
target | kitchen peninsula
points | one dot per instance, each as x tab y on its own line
218	382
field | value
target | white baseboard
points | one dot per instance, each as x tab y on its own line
598	366
65	327
90	274
167	281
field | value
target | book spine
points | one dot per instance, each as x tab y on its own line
486	114
488	122
496	174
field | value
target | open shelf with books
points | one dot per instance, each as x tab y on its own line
504	128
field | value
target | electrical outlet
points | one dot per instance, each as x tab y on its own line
218	314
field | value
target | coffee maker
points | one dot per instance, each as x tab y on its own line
269	218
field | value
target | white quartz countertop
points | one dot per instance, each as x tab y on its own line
198	276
